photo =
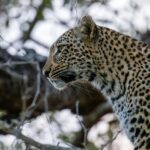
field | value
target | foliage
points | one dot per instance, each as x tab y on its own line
20	66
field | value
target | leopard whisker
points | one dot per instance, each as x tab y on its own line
81	86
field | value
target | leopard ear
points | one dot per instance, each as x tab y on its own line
88	28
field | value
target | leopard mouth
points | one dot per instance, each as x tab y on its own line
67	76
62	79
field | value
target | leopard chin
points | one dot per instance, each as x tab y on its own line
58	84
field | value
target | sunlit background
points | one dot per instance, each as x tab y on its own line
35	25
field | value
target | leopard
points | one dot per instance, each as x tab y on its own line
115	64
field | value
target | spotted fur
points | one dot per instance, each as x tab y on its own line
116	64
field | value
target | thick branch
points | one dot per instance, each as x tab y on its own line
21	73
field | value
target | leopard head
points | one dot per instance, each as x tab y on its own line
71	57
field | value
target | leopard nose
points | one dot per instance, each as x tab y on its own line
46	73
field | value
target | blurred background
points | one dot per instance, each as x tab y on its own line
78	116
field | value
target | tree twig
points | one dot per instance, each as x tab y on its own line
110	141
82	125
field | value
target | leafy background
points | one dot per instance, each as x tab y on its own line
28	103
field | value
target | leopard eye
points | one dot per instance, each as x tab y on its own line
58	55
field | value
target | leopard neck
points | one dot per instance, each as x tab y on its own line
118	55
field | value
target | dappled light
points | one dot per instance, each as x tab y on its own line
33	113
